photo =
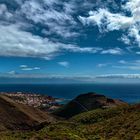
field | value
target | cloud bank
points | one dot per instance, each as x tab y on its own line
119	76
45	29
37	29
126	20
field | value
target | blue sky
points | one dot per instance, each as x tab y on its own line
69	41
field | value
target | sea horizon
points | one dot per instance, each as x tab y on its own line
69	91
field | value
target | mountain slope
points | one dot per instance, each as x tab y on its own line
14	116
118	123
87	102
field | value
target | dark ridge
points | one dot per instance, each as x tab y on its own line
87	102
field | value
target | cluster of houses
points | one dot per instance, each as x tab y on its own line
43	102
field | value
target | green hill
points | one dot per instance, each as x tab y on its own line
119	122
87	102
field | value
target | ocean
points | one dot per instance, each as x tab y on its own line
127	92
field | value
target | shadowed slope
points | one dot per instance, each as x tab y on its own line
87	102
14	116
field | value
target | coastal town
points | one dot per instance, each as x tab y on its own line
43	102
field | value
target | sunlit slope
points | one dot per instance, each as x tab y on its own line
14	116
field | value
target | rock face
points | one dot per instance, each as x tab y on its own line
87	102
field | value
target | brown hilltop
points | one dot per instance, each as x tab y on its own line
87	102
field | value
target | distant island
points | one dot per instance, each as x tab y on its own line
89	116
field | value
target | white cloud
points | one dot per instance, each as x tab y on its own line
84	78
84	49
138	53
4	13
109	21
15	42
19	28
115	51
123	76
23	66
15	27
125	39
64	64
102	65
30	69
36	68
131	65
122	62
12	72
60	22
27	68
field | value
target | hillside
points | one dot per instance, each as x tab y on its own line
118	123
121	123
14	116
87	102
114	120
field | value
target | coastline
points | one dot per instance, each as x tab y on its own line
43	102
128	93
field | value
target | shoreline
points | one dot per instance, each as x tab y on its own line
43	102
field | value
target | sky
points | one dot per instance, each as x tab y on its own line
69	41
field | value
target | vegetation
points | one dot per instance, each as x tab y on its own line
115	123
119	123
87	102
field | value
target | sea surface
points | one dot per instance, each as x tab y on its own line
126	92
